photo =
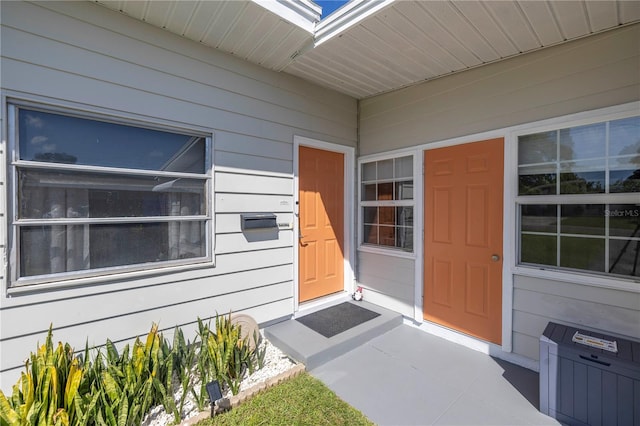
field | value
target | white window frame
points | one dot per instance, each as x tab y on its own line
619	282
417	168
98	275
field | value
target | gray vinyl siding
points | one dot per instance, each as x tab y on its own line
388	281
83	55
537	301
589	73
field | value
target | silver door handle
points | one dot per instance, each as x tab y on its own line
495	257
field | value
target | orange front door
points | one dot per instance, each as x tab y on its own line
321	219
463	238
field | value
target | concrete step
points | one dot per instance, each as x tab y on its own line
313	349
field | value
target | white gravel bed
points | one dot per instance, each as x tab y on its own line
275	362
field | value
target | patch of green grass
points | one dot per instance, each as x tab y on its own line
302	400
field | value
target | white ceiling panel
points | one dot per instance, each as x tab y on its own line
286	48
355	55
135	9
514	23
383	39
229	15
415	15
421	48
178	19
200	19
279	31
246	18
629	11
337	76
602	15
214	31
375	46
158	12
543	21
443	32
460	28
478	16
257	35
572	17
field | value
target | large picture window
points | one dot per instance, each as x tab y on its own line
96	197
579	198
386	202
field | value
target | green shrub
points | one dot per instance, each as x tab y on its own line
47	392
119	388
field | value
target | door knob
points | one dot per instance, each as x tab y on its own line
495	257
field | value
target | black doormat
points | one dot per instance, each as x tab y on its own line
336	319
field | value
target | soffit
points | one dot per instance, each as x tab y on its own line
411	41
246	29
374	46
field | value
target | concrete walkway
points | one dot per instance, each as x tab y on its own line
408	377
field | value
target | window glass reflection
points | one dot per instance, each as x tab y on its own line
582	183
57	194
404	190
369	171
404	216
537	184
404	238
539	218
537	148
587	219
370	234
623	257
370	215
583	142
385	169
55	138
387	236
592	161
538	249
387	195
582	253
624	136
369	192
624	220
386	215
54	249
385	191
404	167
624	174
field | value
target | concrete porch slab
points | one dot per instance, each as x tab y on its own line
313	349
408	377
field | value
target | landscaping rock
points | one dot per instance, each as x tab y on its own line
276	363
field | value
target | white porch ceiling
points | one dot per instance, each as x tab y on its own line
375	46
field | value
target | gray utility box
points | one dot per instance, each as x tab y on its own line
588	378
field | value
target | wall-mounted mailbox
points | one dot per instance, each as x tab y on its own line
258	221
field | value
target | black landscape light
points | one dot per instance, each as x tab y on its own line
215	394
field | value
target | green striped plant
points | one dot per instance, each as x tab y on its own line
184	355
229	352
118	388
48	389
134	380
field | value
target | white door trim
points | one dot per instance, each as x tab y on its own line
349	235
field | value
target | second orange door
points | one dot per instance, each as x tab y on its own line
463	238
